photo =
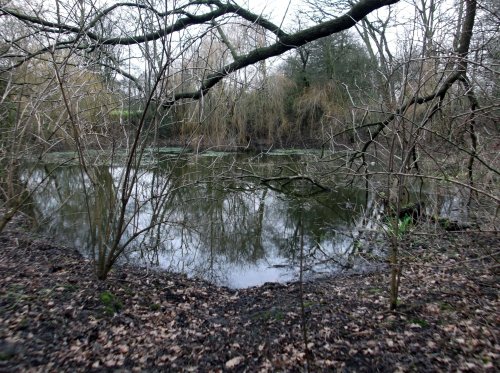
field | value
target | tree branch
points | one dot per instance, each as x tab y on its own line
285	43
458	74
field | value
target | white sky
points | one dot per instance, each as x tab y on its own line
284	11
276	9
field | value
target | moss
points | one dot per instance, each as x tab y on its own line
110	302
4	356
272	314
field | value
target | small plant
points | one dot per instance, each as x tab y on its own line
375	290
309	304
404	224
70	288
154	307
421	322
396	232
110	302
6	355
401	227
443	306
270	315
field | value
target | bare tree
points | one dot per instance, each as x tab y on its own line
81	34
172	54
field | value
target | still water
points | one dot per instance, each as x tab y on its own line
215	219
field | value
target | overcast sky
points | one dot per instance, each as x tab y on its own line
275	8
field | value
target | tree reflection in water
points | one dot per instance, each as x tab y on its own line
226	230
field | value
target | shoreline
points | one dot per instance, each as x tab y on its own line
54	315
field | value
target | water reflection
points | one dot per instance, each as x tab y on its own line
205	224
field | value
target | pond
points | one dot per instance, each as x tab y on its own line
215	219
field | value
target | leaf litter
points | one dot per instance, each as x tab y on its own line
56	316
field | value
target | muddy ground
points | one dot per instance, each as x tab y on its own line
56	316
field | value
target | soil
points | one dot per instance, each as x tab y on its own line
56	316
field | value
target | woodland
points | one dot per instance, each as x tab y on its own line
387	96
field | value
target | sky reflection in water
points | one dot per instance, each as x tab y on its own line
232	233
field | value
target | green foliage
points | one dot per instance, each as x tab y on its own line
270	315
337	57
309	304
155	307
375	290
110	302
6	355
421	322
404	224
444	306
399	227
127	116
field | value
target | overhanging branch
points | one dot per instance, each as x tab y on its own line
287	42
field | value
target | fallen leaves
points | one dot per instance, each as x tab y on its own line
55	320
234	362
